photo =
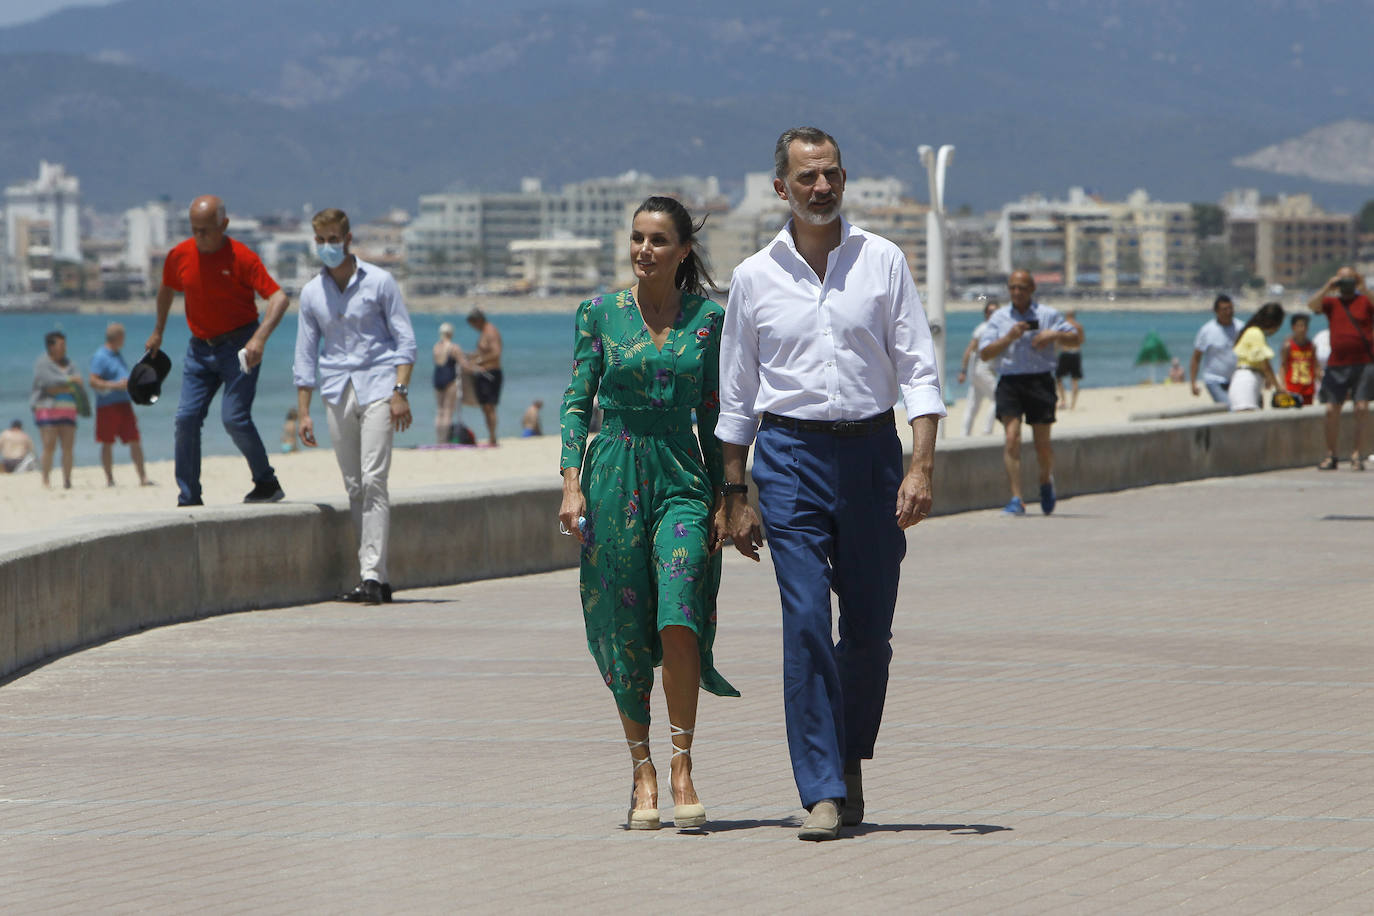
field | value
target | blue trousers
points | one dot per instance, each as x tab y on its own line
828	506
205	369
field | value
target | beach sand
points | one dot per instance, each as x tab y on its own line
312	475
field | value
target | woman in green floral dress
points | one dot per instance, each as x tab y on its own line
644	502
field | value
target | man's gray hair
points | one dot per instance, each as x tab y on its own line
813	135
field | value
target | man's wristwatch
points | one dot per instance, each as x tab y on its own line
727	488
403	391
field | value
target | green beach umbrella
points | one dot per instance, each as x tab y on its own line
1152	353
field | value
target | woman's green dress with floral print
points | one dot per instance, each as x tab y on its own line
646	558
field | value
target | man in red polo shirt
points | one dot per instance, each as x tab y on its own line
1350	370
219	278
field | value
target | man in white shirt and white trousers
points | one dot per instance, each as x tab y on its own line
354	334
824	331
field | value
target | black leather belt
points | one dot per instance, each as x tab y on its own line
845	428
225	338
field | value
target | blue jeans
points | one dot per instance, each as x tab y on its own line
828	507
205	369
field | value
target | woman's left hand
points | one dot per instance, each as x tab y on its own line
720	528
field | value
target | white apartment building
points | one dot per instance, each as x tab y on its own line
9	280
1085	242
971	244
546	267
463	240
42	225
145	236
872	193
1281	239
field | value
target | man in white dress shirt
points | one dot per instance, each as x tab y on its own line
354	325
823	333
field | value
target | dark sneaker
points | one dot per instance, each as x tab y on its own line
386	592
190	505
368	591
265	491
852	815
1047	497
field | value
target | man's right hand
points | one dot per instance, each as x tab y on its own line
305	428
155	341
1196	392
745	530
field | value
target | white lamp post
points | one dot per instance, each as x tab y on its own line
935	165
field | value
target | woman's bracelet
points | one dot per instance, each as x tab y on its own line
727	488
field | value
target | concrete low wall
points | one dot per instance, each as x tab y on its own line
106	577
969	473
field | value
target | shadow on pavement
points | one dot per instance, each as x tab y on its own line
959	829
792	823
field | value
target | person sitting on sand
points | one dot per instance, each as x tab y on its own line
530	423
16	450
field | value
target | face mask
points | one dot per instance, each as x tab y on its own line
331	255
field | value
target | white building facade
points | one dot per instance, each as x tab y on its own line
42	225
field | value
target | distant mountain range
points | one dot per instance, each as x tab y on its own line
1340	152
280	104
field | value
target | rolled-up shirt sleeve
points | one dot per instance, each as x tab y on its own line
738	422
992	332
913	348
303	369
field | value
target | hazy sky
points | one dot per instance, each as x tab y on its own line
13	11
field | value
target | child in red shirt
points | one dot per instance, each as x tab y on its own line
1300	360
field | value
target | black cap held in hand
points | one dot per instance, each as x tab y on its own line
146	377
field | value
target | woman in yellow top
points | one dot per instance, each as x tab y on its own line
1253	372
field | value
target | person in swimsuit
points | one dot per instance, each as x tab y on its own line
448	384
1070	365
486	368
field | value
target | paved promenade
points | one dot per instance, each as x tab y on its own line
1161	699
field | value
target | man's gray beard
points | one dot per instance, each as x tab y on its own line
811	217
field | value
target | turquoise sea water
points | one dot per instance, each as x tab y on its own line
538	353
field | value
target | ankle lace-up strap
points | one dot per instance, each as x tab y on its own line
675	731
639	762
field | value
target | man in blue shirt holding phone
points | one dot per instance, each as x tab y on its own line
1021	337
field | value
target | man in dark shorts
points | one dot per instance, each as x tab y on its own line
1345	302
486	369
1021	337
1070	366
